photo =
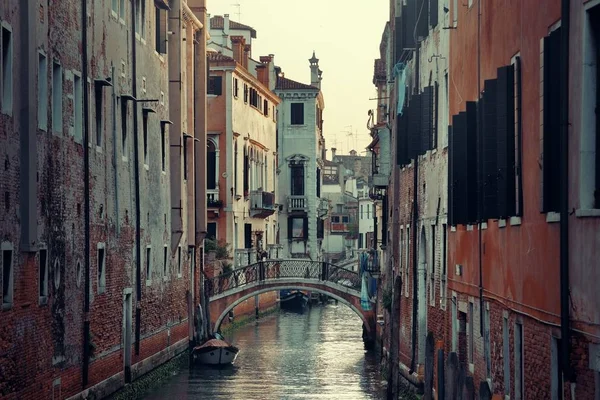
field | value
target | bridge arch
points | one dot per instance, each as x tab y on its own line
367	322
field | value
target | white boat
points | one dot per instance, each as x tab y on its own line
215	352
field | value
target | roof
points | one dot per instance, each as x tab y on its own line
288	84
216	57
359	165
218	22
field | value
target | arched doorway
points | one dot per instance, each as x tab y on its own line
422	293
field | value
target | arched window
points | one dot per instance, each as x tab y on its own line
212	169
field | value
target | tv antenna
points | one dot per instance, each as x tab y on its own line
239	11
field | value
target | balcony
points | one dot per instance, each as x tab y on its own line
262	204
339	227
297	203
212	199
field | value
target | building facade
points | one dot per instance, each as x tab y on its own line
241	158
300	150
96	264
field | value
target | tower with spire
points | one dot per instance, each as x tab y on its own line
315	72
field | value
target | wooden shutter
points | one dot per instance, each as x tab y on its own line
305	228
414	126
459	169
211	161
505	126
402	157
246	172
422	18
290	226
488	148
451	157
409	21
398	38
551	138
161	31
426	119
248	236
433	13
471	161
318	182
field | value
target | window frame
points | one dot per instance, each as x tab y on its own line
42	91
295	118
101	267
7	285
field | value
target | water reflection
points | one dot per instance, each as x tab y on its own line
316	355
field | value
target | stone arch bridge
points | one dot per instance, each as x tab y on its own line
226	291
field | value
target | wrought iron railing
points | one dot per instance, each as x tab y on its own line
269	270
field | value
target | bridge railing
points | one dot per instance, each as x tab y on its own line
282	269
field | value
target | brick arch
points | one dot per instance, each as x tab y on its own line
222	306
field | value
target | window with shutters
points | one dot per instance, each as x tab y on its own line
297	113
488	159
246	93
589	178
550	135
7	275
43	275
505	130
215	85
163	147
246	171
101	259
235	87
160	31
426	119
7	70
42	91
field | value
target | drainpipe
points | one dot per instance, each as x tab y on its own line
28	135
415	221
86	196
136	172
479	192
564	192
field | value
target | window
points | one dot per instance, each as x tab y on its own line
297	181
140	18
185	156
361	211
165	260
266	108
335	218
368	211
124	126
211	229
254	98
471	332
454	323
401	253
298	228
550	135
235	87
161	31
339	208
486	340
42	92
215	85
589	179
57	98
179	261
407	252
43	275
77	108
148	265
345	219
122	9
101	268
115	6
519	383
211	165
235	168
297	110
99	96
556	380
455	13
245	94
7	71
145	136
7	275
506	354
163	147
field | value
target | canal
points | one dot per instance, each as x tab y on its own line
315	355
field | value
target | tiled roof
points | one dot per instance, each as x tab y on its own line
288	84
218	57
218	22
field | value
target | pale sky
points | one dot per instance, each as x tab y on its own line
345	34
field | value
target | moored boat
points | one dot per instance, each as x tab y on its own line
293	300
215	352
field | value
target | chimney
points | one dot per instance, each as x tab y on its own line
315	72
247	54
237	44
264	70
226	30
333	150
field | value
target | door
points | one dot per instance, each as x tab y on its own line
127	309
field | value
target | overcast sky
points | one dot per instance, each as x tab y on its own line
345	34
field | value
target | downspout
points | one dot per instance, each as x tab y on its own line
136	171
114	129
415	221
86	197
479	192
564	191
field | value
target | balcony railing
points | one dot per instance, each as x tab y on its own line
212	199
262	204
297	203
337	227
243	257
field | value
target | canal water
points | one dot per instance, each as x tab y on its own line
315	355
